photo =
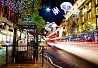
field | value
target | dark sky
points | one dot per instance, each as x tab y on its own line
50	16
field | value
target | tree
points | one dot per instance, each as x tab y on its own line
33	14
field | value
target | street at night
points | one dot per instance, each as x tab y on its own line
48	33
74	54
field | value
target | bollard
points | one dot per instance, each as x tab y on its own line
42	56
6	55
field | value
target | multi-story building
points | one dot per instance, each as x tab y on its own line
82	17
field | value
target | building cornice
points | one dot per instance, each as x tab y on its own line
74	8
8	22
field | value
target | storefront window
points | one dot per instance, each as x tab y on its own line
11	40
0	37
8	39
96	10
4	38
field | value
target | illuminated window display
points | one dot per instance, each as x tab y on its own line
0	37
18	33
11	38
8	38
22	35
4	38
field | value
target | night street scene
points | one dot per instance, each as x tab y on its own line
48	33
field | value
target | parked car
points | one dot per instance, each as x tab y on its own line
88	37
65	38
73	38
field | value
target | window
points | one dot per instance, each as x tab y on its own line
96	10
96	2
89	6
82	18
84	10
89	15
97	22
81	12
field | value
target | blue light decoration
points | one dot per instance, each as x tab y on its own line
16	5
66	6
48	9
2	2
27	19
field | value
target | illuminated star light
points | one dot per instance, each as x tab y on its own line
48	9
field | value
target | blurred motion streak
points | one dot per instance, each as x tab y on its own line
88	54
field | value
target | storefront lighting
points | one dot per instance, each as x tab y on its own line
4	31
4	38
3	23
0	37
25	29
18	33
11	33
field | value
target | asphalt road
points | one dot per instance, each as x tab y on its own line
66	59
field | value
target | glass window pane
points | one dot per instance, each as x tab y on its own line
96	2
97	22
89	5
0	37
96	10
89	15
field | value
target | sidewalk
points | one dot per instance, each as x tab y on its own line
36	65
46	64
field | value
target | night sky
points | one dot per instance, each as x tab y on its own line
50	16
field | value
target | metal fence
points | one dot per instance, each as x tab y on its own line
22	54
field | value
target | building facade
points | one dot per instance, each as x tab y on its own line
82	18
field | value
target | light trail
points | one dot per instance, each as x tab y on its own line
87	54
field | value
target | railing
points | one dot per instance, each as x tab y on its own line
5	55
21	53
44	55
28	52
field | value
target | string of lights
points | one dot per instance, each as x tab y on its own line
17	5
